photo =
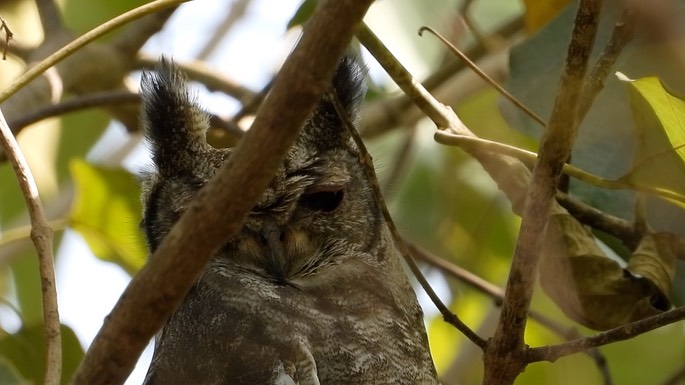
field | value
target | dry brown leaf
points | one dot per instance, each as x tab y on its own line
595	290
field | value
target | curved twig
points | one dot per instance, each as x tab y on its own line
484	76
621	333
41	235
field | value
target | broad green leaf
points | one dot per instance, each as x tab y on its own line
660	130
538	13
106	213
25	352
593	289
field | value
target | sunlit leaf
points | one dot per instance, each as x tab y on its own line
596	291
538	13
25	352
660	128
106	213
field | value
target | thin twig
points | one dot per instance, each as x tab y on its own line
219	209
618	228
621	333
41	235
383	115
474	67
104	99
366	160
8	36
621	35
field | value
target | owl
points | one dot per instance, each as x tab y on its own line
311	290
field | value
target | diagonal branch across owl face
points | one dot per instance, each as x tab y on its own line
311	290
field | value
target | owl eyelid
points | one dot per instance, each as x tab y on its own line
325	188
197	182
324	198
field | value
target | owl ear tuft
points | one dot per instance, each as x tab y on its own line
173	123
349	83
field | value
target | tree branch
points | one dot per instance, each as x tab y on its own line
105	99
41	235
220	207
502	362
621	333
621	35
202	73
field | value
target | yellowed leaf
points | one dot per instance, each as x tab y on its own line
106	213
538	13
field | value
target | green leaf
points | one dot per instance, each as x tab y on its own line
660	129
25	352
106	213
303	13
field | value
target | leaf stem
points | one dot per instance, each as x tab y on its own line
530	158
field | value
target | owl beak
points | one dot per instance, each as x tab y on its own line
276	263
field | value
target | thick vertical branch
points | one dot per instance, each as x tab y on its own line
504	359
41	235
221	206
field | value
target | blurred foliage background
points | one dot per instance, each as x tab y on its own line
86	162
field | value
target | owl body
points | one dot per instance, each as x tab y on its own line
311	290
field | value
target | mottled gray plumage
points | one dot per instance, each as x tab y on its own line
311	290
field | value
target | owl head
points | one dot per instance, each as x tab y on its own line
317	213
